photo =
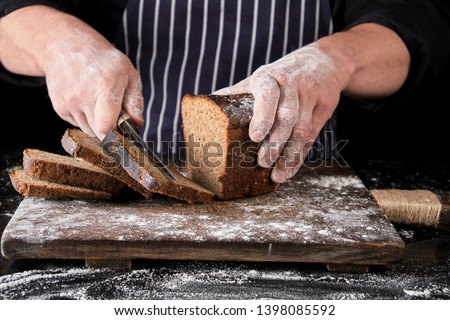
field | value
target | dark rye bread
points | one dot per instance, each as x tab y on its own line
139	167
69	170
220	155
35	187
81	145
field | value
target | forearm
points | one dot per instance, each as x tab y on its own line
372	60
89	81
423	25
28	37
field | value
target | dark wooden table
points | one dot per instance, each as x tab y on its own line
424	273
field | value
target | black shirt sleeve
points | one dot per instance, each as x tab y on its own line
103	15
423	25
8	6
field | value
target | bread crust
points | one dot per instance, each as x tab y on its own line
241	175
136	163
81	145
31	186
70	171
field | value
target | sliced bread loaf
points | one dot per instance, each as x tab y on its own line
220	155
138	166
70	171
32	186
81	145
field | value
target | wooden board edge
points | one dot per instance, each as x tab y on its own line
359	254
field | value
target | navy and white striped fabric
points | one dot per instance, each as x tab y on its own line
199	46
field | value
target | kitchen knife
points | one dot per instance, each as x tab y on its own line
127	127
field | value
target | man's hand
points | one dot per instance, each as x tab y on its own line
294	97
297	94
88	79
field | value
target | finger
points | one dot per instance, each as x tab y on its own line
133	101
106	111
81	121
266	92
321	115
296	150
290	161
66	116
241	87
285	120
61	109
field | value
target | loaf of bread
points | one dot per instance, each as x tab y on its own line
32	186
69	170
221	160
81	145
220	155
138	166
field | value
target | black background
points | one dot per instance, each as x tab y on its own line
28	119
415	130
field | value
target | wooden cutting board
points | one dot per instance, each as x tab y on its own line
323	215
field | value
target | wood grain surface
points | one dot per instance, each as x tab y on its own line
323	215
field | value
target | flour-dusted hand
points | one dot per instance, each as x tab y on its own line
294	97
297	94
88	79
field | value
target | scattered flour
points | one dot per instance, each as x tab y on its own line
293	215
285	217
336	182
217	280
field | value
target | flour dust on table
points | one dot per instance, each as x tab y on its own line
216	280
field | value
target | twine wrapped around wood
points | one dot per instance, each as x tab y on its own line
414	207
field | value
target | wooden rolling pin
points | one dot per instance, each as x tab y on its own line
422	208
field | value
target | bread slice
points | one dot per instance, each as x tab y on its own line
81	145
70	171
31	186
138	166
220	155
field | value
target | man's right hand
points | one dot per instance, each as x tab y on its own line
88	79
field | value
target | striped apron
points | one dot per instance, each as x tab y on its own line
199	46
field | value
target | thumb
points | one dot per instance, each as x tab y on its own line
241	87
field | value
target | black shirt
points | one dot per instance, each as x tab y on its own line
424	26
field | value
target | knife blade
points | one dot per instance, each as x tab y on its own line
126	125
